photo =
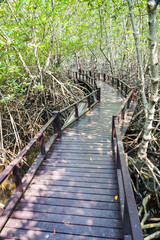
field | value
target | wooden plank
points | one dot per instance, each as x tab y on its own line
72	203
71	195
113	214
89	162
76	179
65	172
90	190
74	169
68	156
76	184
63	228
60	218
38	235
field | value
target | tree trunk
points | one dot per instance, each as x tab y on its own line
153	95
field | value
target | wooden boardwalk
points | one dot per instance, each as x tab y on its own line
74	193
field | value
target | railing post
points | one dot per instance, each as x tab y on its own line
112	81
98	94
128	103
17	179
89	102
76	111
99	76
83	75
90	73
109	79
133	94
80	73
117	83
104	77
123	113
126	90
113	126
87	78
121	87
76	75
95	84
57	123
42	145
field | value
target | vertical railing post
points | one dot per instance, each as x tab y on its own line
83	75
121	87
112	81
118	83
17	179
128	103
123	113
89	102
57	123
133	94
109	79
99	76
113	126
126	90
104	77
80	73
76	111
76	75
98	94
42	145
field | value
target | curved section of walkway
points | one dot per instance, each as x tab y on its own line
74	195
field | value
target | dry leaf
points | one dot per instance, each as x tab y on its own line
91	159
54	231
116	197
58	139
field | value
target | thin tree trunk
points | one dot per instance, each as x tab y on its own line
153	95
139	58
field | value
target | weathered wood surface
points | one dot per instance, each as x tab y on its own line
72	196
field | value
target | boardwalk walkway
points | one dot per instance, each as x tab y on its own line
74	193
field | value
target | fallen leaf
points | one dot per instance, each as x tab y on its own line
88	112
116	197
54	231
66	223
58	139
83	134
91	159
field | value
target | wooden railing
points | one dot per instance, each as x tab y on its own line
85	76
131	223
13	167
